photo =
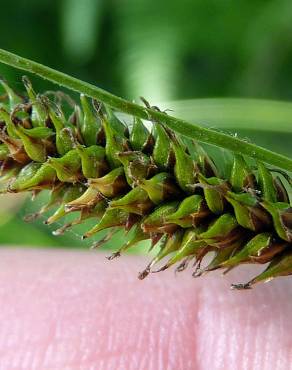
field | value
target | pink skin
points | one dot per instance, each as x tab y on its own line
68	310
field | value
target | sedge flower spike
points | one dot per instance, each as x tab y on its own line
148	182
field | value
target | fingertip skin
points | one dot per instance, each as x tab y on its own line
246	329
75	310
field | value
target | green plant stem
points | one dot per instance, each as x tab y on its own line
182	127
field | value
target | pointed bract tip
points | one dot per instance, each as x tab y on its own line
163	268
26	81
242	286
113	256
143	274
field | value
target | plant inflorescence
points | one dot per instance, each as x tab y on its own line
151	182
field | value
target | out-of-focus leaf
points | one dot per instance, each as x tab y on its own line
80	26
10	203
235	113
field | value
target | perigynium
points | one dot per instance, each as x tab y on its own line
151	183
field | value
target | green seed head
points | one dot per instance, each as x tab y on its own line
152	185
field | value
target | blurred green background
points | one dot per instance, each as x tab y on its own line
166	51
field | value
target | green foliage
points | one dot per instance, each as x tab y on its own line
173	50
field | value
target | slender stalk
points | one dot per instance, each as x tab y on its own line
181	126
